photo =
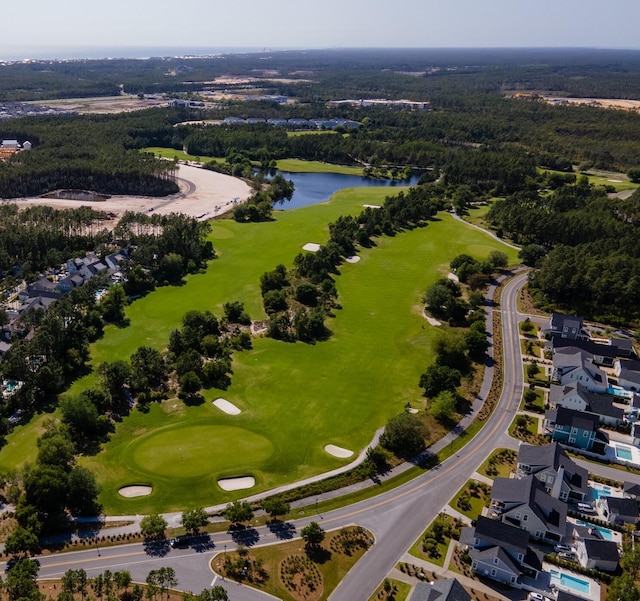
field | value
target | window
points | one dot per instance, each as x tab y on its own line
539	534
495	560
474	565
517	515
525	517
585	434
572	439
543	478
493	572
513	579
574	430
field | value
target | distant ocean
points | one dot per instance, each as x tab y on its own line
14	53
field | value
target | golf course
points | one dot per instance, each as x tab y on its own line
294	399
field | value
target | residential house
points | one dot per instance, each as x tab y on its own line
67	284
618	510
40	287
631	490
576	396
501	551
572	428
567	326
571	364
593	551
628	373
551	465
526	504
448	589
603	354
39	302
635	434
565	596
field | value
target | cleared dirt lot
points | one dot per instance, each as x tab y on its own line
203	194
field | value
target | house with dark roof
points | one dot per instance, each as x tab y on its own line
554	469
572	428
578	397
631	490
448	589
501	551
618	510
571	364
526	504
603	354
567	326
628	373
593	551
565	596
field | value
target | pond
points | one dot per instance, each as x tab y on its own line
312	188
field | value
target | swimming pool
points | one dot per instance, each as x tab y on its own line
600	490
623	453
571	582
606	533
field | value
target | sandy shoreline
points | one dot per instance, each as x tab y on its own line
203	194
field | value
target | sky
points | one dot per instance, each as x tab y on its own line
277	24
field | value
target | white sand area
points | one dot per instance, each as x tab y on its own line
311	247
453	277
372	206
131	492
353	259
237	483
432	320
338	451
203	194
226	407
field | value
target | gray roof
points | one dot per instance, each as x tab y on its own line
564	596
575	419
587	532
623	507
493	532
530	492
572	357
631	488
630	370
488	555
606	550
448	589
554	456
601	404
570	323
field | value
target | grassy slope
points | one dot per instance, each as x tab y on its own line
295	397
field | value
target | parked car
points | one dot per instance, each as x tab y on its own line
560	547
535	597
585	508
570	555
180	542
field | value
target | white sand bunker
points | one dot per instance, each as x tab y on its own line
135	491
453	277
353	259
338	451
615	181
237	483
432	321
311	247
226	406
372	206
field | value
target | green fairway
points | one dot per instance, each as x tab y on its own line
172	153
294	398
300	166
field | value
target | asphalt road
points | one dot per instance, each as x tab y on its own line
396	518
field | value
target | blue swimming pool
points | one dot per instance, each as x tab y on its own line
600	490
623	453
568	581
606	533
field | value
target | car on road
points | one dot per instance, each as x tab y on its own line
535	597
180	542
585	508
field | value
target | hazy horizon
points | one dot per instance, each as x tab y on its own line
70	24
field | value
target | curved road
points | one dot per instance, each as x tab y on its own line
396	518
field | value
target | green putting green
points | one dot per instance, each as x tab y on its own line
295	398
189	450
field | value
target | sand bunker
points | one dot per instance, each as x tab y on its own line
432	321
453	277
311	247
338	451
237	483
353	259
226	406
372	206
135	491
615	181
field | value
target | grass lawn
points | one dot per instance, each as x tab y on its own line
478	215
300	166
499	464
399	591
172	153
295	398
474	504
450	526
529	433
537	405
619	181
312	132
327	567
